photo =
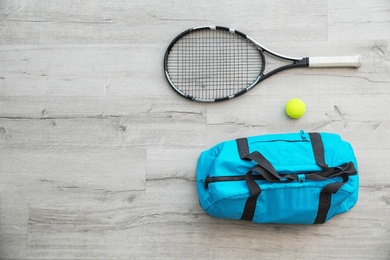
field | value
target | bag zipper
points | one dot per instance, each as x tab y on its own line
222	178
242	177
227	178
209	179
303	136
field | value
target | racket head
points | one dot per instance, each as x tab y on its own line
210	64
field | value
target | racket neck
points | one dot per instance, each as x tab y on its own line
304	62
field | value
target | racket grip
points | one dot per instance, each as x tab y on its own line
343	61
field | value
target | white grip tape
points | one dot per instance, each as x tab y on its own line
343	61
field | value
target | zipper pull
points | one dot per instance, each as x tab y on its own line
303	136
206	182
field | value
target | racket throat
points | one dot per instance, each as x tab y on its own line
304	62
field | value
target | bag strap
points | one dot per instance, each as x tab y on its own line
266	171
332	172
325	199
243	148
318	149
250	204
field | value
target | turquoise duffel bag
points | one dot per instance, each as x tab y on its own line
292	178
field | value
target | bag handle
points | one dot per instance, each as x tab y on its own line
325	199
268	172
265	168
250	204
348	168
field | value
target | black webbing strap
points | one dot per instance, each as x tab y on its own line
243	148
348	168
254	188
325	199
269	172
318	149
250	204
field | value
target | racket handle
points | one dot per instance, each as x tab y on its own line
343	61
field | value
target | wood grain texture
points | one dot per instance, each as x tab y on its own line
98	154
123	22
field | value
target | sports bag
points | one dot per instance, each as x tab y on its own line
292	178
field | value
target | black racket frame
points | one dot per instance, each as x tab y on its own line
296	63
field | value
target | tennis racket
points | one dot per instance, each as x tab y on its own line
210	64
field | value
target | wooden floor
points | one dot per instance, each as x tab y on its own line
98	154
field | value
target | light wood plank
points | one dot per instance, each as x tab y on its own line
96	122
13	226
115	169
156	230
98	155
82	70
62	176
91	22
171	175
358	20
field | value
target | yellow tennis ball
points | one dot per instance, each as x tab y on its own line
295	108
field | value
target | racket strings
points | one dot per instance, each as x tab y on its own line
212	64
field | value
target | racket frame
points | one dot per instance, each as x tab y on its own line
296	63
